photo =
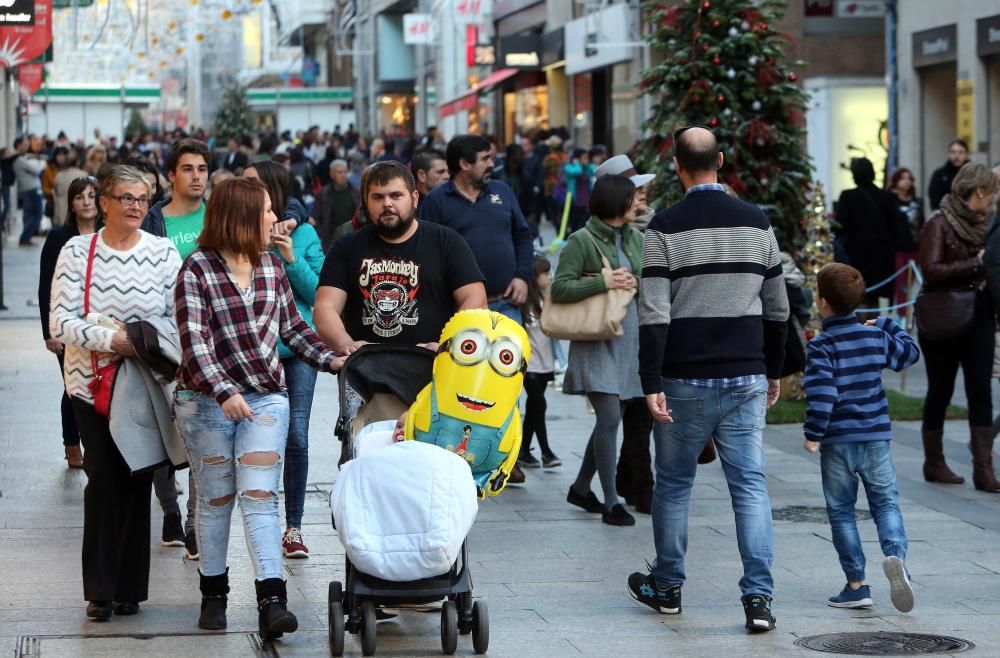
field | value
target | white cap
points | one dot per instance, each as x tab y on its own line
621	165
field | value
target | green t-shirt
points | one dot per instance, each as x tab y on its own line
183	230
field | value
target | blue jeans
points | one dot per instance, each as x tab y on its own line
300	378
504	307
843	464
217	448
735	418
32	204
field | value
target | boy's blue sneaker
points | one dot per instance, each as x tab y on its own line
643	588
852	598
900	590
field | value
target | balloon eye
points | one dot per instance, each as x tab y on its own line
468	346
506	357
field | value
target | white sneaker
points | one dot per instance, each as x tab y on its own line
900	590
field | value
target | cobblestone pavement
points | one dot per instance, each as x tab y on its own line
554	576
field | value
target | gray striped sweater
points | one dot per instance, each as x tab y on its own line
712	302
126	285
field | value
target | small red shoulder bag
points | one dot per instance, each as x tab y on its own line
102	386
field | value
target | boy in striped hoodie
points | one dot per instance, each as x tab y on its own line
848	422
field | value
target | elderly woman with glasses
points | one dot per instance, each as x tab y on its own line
131	277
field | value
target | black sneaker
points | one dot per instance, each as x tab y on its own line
643	588
528	460
758	611
589	502
617	515
551	461
191	546
173	530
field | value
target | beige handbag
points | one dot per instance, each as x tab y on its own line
595	318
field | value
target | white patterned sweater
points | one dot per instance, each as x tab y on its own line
127	285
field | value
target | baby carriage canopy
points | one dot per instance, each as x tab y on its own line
379	382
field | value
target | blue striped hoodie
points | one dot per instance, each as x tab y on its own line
843	378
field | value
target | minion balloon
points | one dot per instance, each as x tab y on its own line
470	406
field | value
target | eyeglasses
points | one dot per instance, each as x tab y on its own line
128	200
471	346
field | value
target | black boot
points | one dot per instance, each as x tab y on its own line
213	601
274	619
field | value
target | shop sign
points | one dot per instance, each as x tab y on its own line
417	29
860	8
470	11
822	8
988	36
598	40
935	46
521	51
964	111
22	40
485	56
30	76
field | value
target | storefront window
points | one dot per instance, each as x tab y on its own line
396	110
583	102
531	108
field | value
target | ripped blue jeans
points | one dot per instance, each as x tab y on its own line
236	460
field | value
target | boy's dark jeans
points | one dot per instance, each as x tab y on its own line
843	464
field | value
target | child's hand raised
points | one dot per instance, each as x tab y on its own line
871	323
811	446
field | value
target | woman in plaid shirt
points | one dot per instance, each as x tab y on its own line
233	304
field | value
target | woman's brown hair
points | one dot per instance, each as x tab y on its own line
233	218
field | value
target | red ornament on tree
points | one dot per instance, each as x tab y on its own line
714	122
716	60
720	99
704	45
706	5
716	22
792	76
763	27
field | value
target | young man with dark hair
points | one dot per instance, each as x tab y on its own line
940	183
180	216
396	280
430	171
487	215
848	422
712	325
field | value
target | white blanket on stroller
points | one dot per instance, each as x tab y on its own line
403	511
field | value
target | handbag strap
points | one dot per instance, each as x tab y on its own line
604	259
86	294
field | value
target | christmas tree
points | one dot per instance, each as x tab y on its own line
724	66
136	124
234	118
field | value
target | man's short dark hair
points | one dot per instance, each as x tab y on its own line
465	147
841	286
19	140
381	173
186	146
958	142
611	197
694	155
424	159
862	171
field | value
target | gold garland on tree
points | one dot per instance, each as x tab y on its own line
818	250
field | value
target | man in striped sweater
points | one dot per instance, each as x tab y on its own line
848	420
712	316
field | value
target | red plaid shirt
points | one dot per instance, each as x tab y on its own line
230	346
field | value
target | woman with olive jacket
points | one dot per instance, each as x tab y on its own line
605	371
951	259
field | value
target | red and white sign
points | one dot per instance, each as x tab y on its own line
860	8
30	76
470	11
24	43
418	29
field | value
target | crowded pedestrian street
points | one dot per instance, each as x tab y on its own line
553	575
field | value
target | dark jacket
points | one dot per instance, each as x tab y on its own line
941	183
154	222
868	217
334	207
946	261
991	261
54	242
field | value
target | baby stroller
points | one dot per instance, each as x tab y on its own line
379	382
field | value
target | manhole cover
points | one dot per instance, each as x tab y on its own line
804	514
884	644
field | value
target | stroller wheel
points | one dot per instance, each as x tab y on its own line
367	628
449	628
480	627
335	607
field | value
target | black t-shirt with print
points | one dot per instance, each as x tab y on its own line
399	293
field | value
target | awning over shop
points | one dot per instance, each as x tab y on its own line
468	99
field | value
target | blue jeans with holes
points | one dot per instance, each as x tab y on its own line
843	464
216	449
300	378
735	418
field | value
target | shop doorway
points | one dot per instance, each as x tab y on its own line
938	118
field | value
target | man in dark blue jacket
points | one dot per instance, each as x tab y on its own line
488	216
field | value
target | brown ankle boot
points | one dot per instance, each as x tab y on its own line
983	476
935	468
